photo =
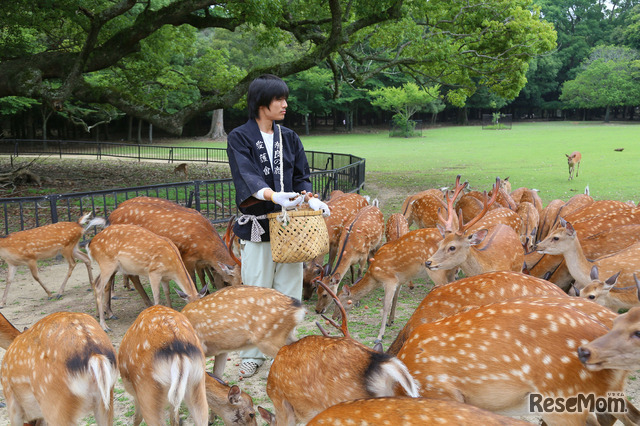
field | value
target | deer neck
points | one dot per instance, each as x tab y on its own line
363	287
577	263
477	262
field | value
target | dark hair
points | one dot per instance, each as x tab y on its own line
263	90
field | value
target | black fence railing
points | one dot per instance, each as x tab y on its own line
215	199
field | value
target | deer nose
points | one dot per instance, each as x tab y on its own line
428	264
584	354
320	311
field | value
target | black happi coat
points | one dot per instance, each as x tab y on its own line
251	171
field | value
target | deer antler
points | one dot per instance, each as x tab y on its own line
485	209
449	221
344	327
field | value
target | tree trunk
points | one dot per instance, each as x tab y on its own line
139	140
150	133
216	131
607	113
306	124
130	129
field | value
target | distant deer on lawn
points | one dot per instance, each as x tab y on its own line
574	163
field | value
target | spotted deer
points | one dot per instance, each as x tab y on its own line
134	250
530	221
574	163
162	363
59	370
394	264
242	317
606	293
342	369
497	356
564	240
495	249
396	227
409	411
422	208
477	290
200	245
28	246
358	242
529	195
344	208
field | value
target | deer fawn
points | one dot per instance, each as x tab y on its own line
530	220
137	251
512	349
199	243
477	290
182	168
358	242
564	241
396	227
606	293
58	370
422	208
29	246
317	372
409	411
485	250
241	317
574	163
161	361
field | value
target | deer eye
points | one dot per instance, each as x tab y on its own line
591	297
252	415
636	333
555	238
452	248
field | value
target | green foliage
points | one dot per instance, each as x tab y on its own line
608	78
10	105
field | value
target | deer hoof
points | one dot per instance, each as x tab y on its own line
55	297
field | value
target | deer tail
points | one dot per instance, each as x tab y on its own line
96	221
180	372
385	372
105	376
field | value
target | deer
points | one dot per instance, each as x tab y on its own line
28	246
477	290
358	243
422	208
474	356
137	251
529	195
548	218
530	220
564	240
241	317
59	370
396	227
344	208
485	250
310	271
574	163
199	244
342	369
162	362
606	293
409	411
618	348
182	168
596	208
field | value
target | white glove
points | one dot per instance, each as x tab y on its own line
285	199
316	204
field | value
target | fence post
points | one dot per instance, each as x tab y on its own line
139	153
53	202
60	148
170	160
15	149
196	190
99	156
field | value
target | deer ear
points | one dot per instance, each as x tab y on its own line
203	291
613	279
570	230
182	295
441	229
234	395
378	347
594	275
346	290
478	236
267	415
335	279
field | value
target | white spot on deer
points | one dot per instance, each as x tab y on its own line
565	359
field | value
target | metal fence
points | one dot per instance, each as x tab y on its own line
215	199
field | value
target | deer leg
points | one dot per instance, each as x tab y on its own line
392	314
33	267
140	289
102	414
201	277
102	286
215	278
218	364
167	293
389	292
196	401
10	275
84	259
72	265
154	281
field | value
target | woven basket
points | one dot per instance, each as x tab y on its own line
301	238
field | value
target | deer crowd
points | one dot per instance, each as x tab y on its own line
530	316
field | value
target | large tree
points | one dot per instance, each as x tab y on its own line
98	51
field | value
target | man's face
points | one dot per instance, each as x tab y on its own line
276	110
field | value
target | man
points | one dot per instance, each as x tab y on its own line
257	151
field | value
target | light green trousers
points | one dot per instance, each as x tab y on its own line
259	269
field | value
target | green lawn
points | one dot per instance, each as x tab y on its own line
531	155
